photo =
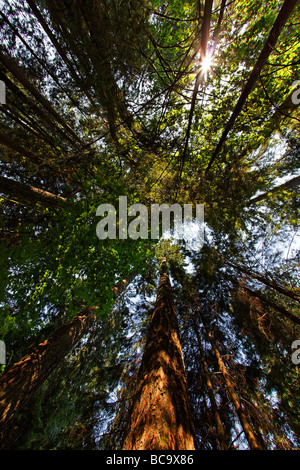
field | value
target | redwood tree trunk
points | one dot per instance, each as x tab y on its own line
248	431
24	377
160	418
27	375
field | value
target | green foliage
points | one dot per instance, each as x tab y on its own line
106	115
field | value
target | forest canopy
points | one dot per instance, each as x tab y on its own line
161	102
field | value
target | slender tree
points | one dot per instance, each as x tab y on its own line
293	183
267	281
25	193
283	15
18	73
221	436
251	438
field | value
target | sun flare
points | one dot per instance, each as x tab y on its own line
206	63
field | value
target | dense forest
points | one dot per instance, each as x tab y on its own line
140	343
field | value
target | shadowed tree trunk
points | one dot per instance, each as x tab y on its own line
79	80
241	287
27	375
24	377
160	417
25	193
265	280
208	412
249	434
17	72
6	142
221	436
290	184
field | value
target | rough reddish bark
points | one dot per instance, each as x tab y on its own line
160	418
27	375
24	377
119	287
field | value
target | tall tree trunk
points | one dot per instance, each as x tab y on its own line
250	436
268	282
210	420
290	184
283	15
25	193
160	417
18	73
221	436
27	375
24	377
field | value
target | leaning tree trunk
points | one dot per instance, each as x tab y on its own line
160	417
293	294
10	64
24	377
249	434
29	194
27	375
293	183
221	435
284	14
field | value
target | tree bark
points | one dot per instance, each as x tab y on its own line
25	193
24	377
27	375
233	395
221	436
160	417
